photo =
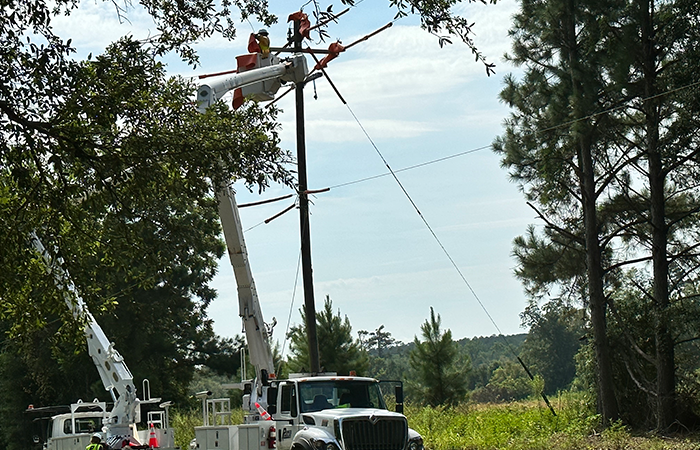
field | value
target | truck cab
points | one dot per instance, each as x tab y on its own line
333	413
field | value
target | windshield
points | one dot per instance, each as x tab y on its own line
318	395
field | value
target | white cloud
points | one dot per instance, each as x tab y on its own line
325	131
95	24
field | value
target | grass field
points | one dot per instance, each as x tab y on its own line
526	425
530	425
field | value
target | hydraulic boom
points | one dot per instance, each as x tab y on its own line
115	375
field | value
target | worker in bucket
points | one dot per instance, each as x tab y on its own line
264	42
95	442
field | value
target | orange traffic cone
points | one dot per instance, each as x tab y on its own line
264	414
152	441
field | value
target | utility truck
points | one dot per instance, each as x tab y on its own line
70	428
307	411
316	411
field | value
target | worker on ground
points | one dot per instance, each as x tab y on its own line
95	443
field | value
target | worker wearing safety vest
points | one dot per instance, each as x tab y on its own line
95	442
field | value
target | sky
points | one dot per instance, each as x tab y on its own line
372	253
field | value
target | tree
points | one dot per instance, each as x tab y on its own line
378	340
552	343
338	351
556	148
109	180
604	142
386	358
439	370
667	143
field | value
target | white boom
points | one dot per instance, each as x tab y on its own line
257	331
293	70
115	375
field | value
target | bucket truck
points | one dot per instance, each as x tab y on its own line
306	411
69	430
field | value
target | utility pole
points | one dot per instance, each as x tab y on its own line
307	273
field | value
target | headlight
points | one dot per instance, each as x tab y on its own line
319	444
415	444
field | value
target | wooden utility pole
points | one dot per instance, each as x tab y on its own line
307	273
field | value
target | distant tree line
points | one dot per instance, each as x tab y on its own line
437	370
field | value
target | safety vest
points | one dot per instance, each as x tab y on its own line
94	447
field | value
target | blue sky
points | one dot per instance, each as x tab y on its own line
372	254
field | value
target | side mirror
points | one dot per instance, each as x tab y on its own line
398	392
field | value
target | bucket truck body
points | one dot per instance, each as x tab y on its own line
72	430
304	412
301	413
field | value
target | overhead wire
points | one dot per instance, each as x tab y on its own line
619	107
393	173
447	254
415	166
422	217
370	178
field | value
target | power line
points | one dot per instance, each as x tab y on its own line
425	221
449	256
619	107
381	175
415	166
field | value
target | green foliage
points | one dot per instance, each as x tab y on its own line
394	366
439	371
514	426
338	351
388	358
507	383
552	344
530	426
378	340
183	423
116	173
487	349
122	196
610	166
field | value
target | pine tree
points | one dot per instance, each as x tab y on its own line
338	351
439	370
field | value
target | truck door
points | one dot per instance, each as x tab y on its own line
287	416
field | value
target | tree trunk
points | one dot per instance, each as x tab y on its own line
607	401
665	365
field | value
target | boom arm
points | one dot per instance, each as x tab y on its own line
294	70
256	330
115	375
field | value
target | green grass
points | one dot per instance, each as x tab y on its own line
526	425
183	422
530	426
